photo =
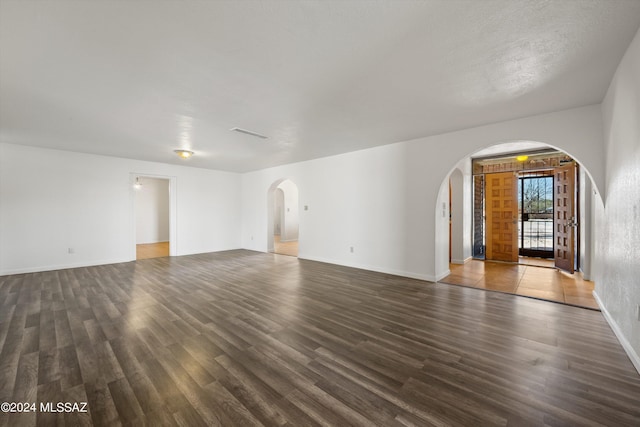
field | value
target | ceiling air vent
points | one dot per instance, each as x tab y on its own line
248	132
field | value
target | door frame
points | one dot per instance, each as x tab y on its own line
173	210
536	253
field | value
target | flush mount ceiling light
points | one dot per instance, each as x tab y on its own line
185	154
522	158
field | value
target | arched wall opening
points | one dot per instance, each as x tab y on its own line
283	219
445	240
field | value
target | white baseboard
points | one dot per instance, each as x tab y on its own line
62	266
99	262
411	275
458	261
442	275
635	358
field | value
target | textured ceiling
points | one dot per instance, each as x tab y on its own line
139	79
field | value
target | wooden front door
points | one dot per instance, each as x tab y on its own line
564	219
502	216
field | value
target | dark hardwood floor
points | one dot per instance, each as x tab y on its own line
246	338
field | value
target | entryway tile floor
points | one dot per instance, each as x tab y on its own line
527	280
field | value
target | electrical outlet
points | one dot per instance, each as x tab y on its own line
72	251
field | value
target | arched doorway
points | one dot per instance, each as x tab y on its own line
283	219
537	225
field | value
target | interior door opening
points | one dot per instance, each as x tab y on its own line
152	217
283	218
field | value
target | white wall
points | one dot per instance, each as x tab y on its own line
278	212
386	201
586	194
461	212
290	217
152	210
53	200
618	225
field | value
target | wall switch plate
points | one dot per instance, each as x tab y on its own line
638	312
72	251
351	249
306	208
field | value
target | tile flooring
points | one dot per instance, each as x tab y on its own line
527	280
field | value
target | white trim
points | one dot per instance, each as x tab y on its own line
419	276
442	275
62	266
635	358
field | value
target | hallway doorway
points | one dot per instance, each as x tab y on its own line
152	217
283	217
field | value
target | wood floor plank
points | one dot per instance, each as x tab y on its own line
247	338
101	406
26	385
125	401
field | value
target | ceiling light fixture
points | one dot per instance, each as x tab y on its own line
522	158
138	184
249	132
185	154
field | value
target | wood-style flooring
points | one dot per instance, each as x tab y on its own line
152	250
285	248
243	338
531	280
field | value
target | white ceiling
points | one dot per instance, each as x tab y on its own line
138	79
